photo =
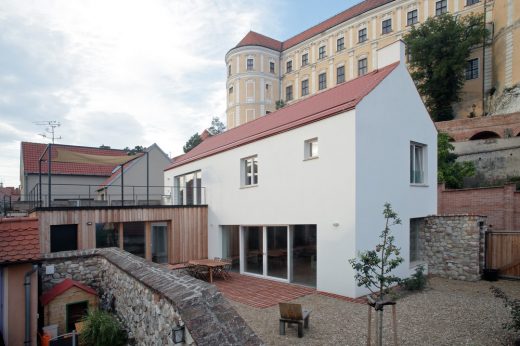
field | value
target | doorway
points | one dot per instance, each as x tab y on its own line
159	243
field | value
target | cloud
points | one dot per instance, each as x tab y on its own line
119	73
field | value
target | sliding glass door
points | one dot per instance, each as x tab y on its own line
277	252
253	250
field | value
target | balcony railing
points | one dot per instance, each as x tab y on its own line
83	195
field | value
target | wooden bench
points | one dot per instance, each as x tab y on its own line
293	314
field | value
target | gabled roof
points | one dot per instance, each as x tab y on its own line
31	153
19	240
63	286
317	107
256	39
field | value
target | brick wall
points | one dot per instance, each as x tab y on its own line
501	205
55	311
463	129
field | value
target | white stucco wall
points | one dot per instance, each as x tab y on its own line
389	118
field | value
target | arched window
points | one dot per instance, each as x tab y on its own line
484	135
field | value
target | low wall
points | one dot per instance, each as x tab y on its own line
150	300
500	204
453	246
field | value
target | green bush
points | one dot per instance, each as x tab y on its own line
514	307
416	282
101	328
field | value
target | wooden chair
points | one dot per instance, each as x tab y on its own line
293	314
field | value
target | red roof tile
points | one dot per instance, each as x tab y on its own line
317	107
63	286
19	240
31	153
255	39
117	172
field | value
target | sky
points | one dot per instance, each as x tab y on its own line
126	73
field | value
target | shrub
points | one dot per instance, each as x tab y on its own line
514	307
416	282
102	328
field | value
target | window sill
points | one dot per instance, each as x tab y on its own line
419	185
248	186
311	158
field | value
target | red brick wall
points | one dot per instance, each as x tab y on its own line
464	129
500	204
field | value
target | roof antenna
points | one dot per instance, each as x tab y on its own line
51	125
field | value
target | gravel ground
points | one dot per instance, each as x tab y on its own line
448	312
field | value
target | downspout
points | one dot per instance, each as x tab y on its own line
484	65
27	286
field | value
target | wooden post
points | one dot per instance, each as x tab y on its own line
148	241
369	337
394	323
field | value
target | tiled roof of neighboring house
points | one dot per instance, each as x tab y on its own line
255	39
19	240
117	172
63	286
12	192
32	151
317	107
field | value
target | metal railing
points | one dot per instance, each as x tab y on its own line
84	195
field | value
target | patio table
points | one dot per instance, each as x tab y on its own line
210	264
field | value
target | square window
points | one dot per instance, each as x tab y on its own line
305	59
288	66
417	163
441	7
305	87
340	44
362	35
322	78
250	63
288	93
321	52
472	69
310	150
415	248
412	17
64	237
107	235
362	66
271	67
472	2
386	26
340	74
250	171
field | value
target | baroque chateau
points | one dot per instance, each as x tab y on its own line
262	71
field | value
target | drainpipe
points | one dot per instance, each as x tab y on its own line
27	286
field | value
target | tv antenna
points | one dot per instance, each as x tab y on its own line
51	125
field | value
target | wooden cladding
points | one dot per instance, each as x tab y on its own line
503	252
187	227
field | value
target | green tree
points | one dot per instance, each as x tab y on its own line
449	171
192	142
216	127
102	146
135	150
102	328
438	50
280	104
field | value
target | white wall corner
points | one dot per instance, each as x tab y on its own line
390	54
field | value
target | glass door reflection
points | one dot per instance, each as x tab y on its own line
277	252
253	250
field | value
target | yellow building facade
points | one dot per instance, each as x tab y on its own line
262	70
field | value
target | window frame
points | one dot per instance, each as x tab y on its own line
305	61
288	96
230	90
271	67
181	189
322	52
441	7
472	2
362	35
250	67
245	172
311	149
362	70
305	88
414	253
472	70
338	81
385	28
322	81
413	19
229	70
423	177
288	66
340	44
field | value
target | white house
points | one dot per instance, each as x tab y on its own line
295	194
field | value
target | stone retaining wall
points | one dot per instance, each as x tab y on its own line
453	246
150	299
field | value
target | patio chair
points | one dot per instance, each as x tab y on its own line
227	268
293	314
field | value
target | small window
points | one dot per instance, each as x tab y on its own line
288	67
267	87
107	235
340	74
311	149
472	69
386	26
250	171
229	70
250	64
305	59
362	35
321	52
412	18
230	90
340	44
417	163
271	67
305	87
415	249
64	237
322	78
288	93
472	2
441	7
362	66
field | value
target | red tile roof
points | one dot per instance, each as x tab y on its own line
117	172
63	286
31	153
255	39
317	107
19	240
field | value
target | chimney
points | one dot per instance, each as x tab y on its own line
394	52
